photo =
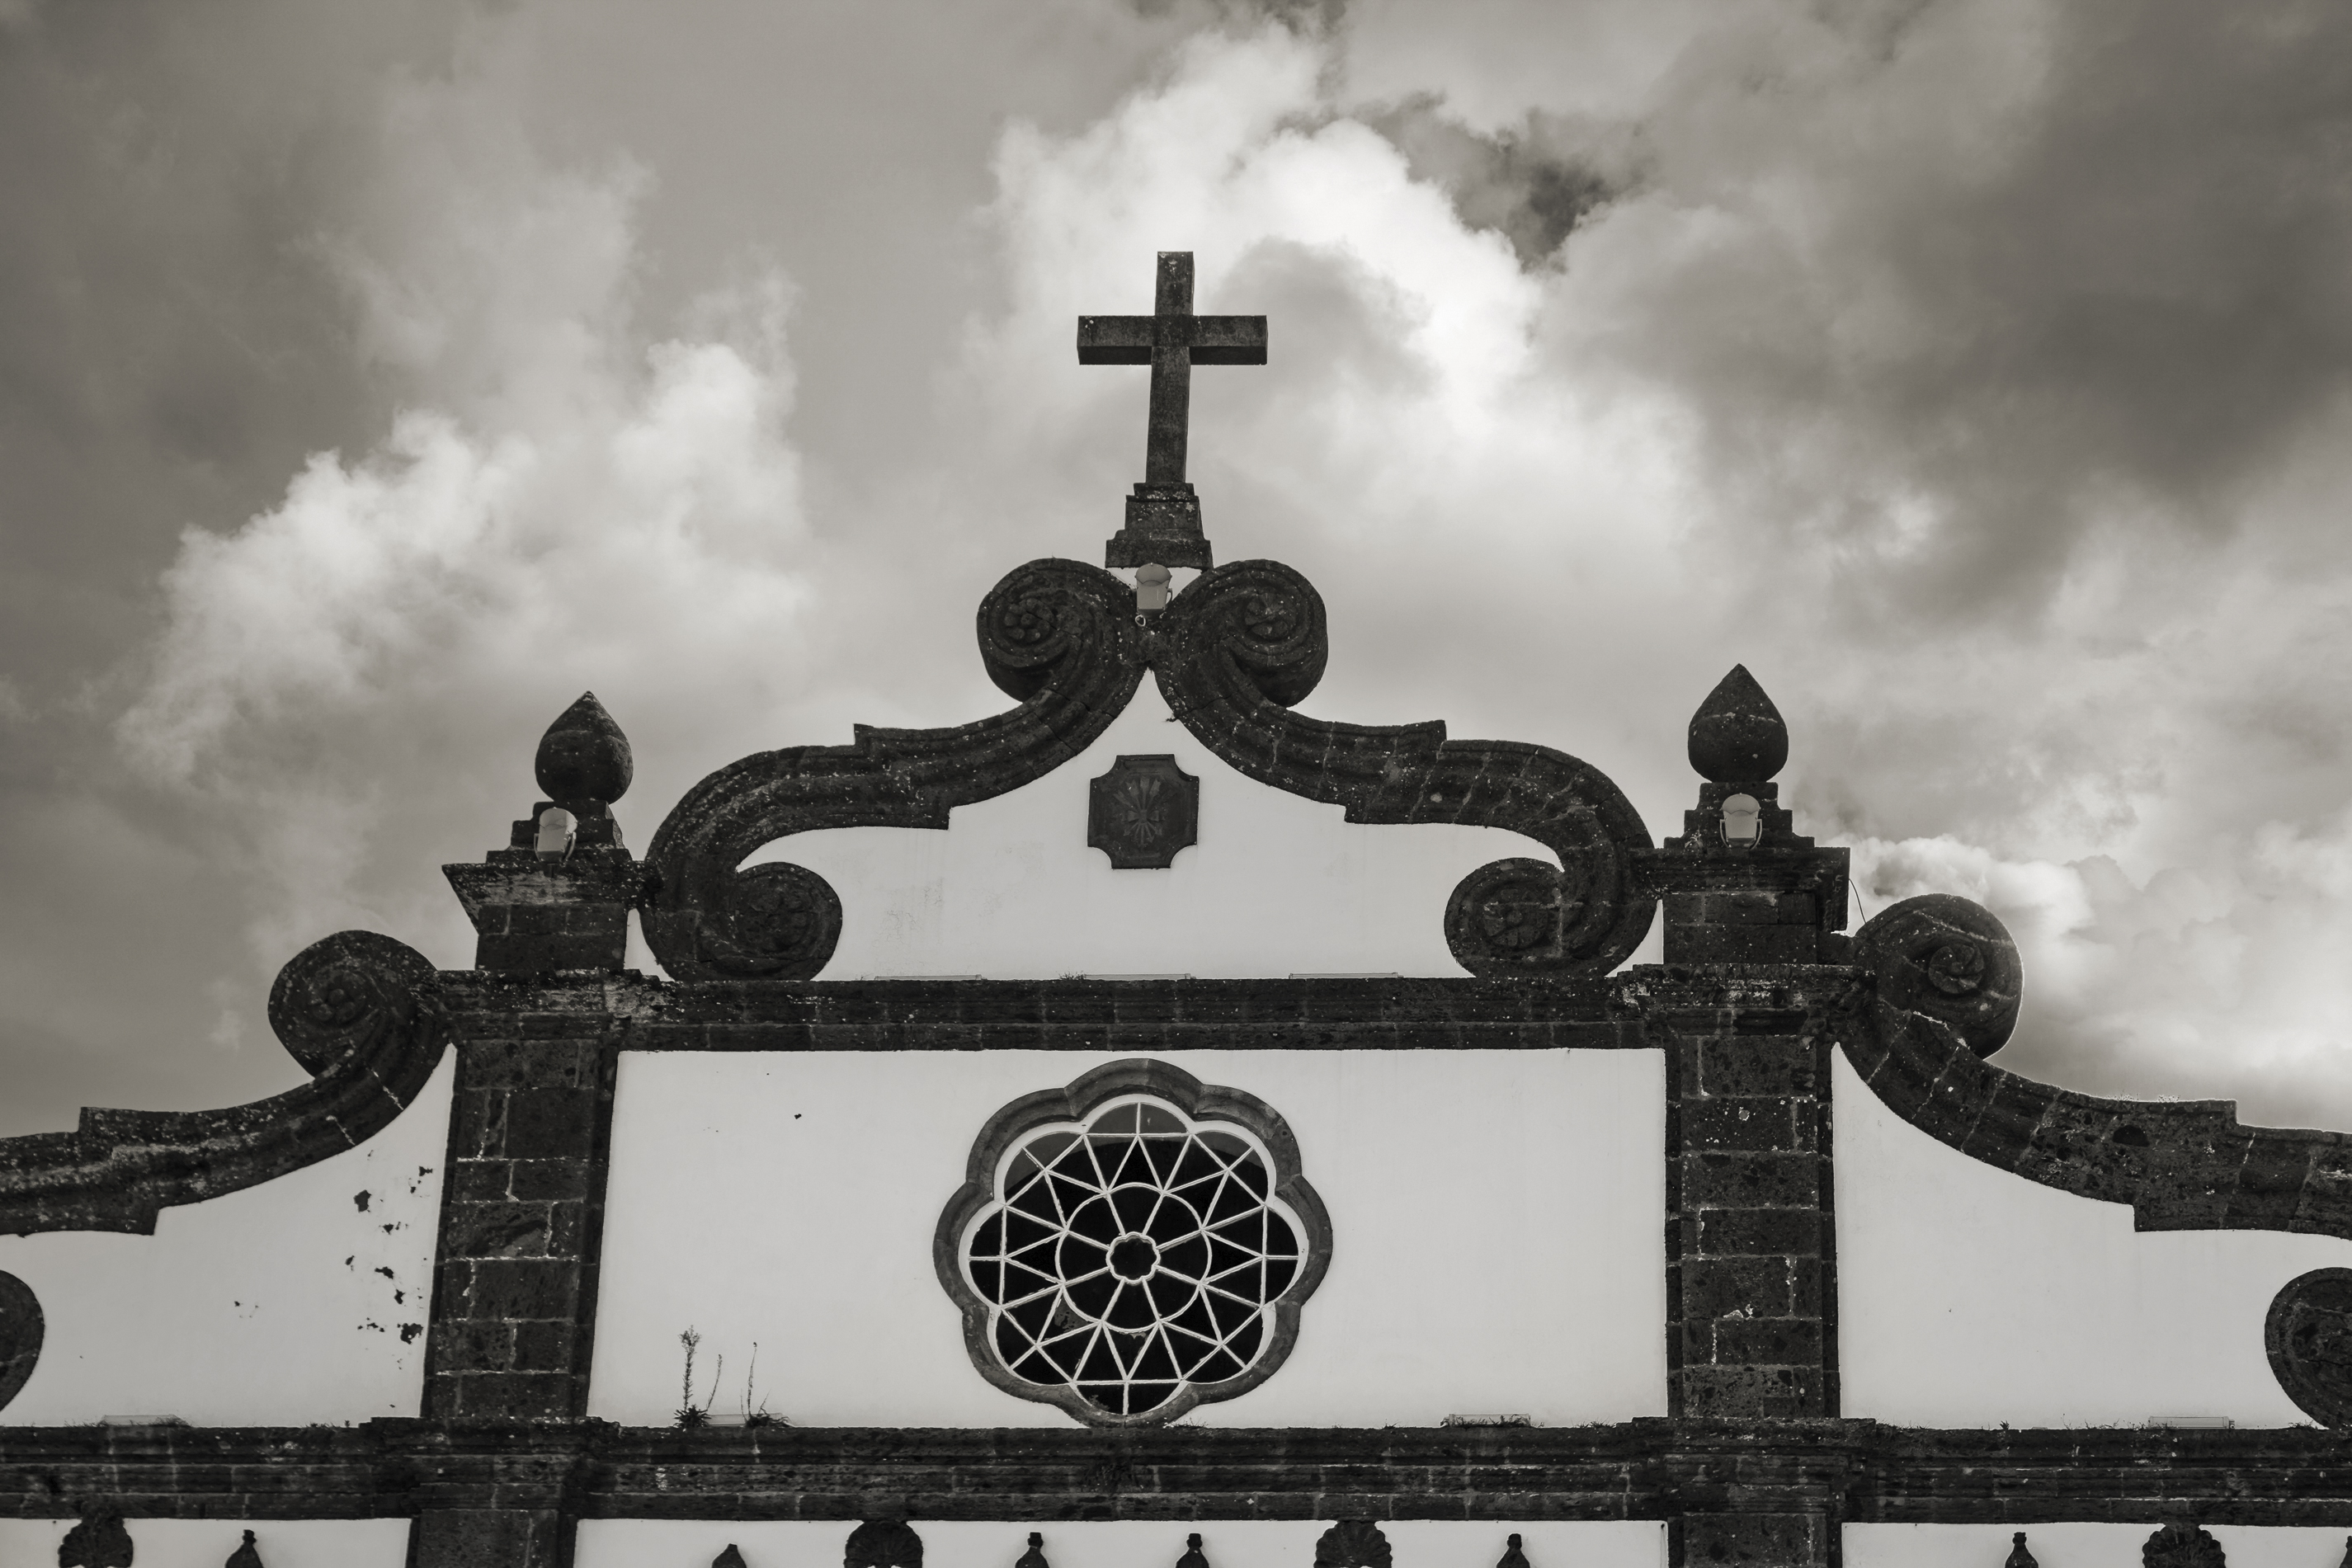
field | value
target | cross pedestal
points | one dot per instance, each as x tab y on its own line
1163	514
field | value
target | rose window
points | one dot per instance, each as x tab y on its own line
1136	1256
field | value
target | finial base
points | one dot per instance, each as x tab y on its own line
1163	526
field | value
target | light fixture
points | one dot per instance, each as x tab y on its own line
556	828
1151	588
1743	821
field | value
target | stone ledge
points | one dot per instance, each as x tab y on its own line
1651	1468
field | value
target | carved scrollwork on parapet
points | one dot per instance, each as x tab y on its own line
1939	991
1245	642
343	991
2308	1335
1949	959
1059	636
359	1011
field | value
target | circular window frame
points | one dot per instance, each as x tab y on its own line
1073	1105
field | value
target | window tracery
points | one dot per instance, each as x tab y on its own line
1133	1245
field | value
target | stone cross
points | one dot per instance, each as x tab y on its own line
1164	517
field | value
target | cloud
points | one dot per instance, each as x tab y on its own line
2213	983
563	506
1972	369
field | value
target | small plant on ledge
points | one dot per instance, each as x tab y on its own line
758	1415
689	1414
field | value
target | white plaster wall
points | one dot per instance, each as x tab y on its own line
208	1543
1497	1240
2076	1545
1276	885
1968	1297
280	1305
1286	1543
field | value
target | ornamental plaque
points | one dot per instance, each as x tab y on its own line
1142	812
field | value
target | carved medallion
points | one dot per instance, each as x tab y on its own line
1142	812
2308	1334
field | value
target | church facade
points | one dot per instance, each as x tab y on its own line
1049	1146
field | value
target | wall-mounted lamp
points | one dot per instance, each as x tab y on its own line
1743	821
556	830
1151	588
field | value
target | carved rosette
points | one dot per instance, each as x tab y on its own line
1943	958
1132	1245
342	993
2308	1334
22	1328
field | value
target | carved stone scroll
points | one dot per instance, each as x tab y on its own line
1059	635
1234	651
1244	642
1915	1029
358	1009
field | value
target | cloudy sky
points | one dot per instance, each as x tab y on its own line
376	375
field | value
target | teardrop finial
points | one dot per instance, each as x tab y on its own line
731	1558
584	756
1035	1556
1193	1557
1737	737
2019	1557
245	1556
1512	1556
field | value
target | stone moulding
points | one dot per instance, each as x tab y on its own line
1650	1468
1233	654
360	1011
1922	1018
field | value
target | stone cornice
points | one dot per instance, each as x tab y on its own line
1858	1471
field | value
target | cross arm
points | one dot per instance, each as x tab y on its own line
1229	340
1114	340
1129	339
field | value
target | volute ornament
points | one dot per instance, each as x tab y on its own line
1948	958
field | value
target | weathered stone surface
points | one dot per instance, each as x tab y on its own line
514	1289
1737	737
1232	652
1948	958
21	1329
583	759
360	1010
2182	1166
1637	1470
